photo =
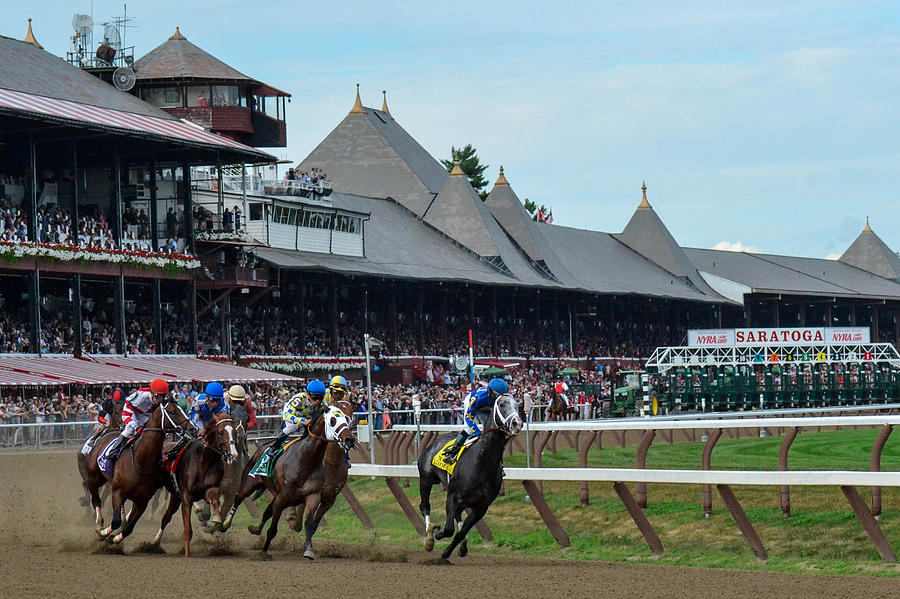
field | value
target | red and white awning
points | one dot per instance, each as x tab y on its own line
127	122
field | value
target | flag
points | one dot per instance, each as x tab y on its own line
549	218
541	217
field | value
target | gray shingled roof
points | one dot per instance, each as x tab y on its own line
767	273
870	253
647	235
27	69
459	212
505	206
177	58
371	155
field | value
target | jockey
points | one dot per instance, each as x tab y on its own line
298	411
477	406
105	418
136	412
561	388
208	405
337	390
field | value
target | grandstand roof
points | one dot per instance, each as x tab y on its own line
871	254
767	273
646	234
505	206
370	154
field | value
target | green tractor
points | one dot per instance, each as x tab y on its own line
628	388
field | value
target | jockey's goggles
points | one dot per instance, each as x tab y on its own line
316	397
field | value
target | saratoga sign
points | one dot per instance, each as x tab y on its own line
794	336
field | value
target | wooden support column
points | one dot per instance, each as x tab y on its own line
116	212
706	464
740	518
420	321
573	322
392	319
189	223
582	463
192	315
641	462
332	319
156	291
154	208
494	349
540	504
34	301
73	236
76	314
789	437
874	325
119	294
444	321
31	192
514	327
357	508
267	324
301	309
875	465
870	525
637	514
414	518
555	314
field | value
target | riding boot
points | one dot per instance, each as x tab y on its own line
115	448
450	452
347	459
276	444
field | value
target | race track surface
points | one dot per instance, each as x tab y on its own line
48	549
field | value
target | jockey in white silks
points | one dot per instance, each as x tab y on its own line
138	407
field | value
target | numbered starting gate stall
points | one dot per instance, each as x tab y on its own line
773	368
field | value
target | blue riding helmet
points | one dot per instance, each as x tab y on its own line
498	386
315	387
215	391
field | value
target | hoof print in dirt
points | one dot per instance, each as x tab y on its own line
263	557
150	549
436	561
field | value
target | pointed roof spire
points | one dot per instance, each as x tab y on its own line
501	180
357	106
29	37
867	228
456	172
384	107
644	205
177	35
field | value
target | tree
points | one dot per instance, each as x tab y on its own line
471	167
532	209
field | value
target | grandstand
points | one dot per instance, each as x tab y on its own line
390	243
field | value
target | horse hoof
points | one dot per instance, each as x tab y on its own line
429	543
264	556
309	554
254	530
463	549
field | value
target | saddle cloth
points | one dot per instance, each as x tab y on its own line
266	464
108	465
439	461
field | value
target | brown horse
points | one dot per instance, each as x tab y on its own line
326	484
558	409
290	483
198	473
139	472
113	425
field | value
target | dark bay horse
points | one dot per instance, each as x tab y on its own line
558	409
476	478
198	474
92	477
290	483
325	485
139	472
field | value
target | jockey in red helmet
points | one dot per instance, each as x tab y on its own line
138	407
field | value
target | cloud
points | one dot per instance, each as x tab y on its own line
832	256
736	246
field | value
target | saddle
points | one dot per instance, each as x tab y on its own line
172	457
266	464
439	460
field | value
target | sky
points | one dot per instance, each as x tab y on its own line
757	126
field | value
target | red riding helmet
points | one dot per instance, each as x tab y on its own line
159	386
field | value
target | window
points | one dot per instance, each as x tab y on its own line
256	211
198	96
225	95
163	97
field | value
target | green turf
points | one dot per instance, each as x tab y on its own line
822	534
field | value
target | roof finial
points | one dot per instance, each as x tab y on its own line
177	35
29	37
384	107
456	172
501	180
644	205
868	229
357	106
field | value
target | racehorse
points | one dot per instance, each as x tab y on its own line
114	425
92	478
138	471
476	478
198	472
558	409
290	482
327	481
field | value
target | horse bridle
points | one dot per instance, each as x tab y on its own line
222	454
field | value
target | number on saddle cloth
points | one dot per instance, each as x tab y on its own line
266	464
440	460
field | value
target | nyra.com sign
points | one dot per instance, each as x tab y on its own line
795	336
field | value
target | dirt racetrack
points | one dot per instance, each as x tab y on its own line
47	549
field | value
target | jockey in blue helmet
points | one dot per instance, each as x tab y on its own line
206	405
298	411
477	406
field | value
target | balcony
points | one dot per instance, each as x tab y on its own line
267	132
228	119
222	276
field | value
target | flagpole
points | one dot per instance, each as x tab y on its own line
471	361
